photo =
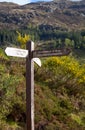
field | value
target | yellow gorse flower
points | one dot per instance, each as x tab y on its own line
23	39
69	66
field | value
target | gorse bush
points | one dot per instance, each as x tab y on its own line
23	39
62	71
65	78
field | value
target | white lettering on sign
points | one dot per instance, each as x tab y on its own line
16	52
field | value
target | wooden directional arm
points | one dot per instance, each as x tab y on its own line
48	53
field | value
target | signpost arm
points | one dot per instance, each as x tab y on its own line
30	87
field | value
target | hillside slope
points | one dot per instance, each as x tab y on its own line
60	14
59	94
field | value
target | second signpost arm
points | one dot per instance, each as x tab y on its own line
30	87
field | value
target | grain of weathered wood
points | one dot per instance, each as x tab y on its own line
30	87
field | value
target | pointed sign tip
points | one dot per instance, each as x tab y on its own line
37	61
16	52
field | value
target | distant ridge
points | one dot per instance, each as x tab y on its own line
58	14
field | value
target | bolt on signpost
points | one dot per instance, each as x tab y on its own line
31	55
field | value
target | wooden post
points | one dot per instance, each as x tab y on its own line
29	87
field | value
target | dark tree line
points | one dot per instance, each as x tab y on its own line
49	35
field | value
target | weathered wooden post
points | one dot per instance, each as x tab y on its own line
30	87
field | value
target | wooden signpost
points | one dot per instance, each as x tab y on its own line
31	57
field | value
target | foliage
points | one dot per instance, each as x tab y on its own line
23	39
59	95
3	55
43	34
76	118
64	71
12	107
65	77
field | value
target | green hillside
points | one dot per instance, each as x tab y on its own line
59	94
